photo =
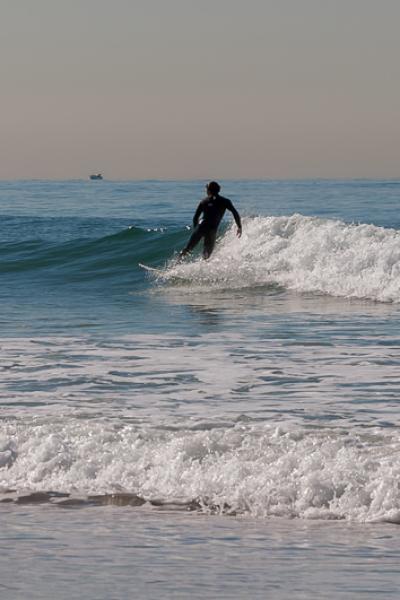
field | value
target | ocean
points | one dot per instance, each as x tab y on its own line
216	429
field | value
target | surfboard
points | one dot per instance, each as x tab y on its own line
150	269
163	271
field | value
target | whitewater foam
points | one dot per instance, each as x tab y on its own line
260	470
304	254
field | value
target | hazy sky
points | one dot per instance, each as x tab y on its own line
199	88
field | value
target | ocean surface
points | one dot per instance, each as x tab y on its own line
216	429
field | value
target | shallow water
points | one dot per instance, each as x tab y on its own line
119	553
225	428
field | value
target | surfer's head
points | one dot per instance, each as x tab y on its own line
213	188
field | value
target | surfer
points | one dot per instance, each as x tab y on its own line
212	208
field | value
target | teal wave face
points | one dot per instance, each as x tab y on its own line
105	257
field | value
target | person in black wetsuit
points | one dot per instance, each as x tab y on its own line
212	208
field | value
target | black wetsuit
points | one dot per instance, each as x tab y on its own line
213	209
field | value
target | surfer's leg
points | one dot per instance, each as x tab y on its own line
193	241
209	242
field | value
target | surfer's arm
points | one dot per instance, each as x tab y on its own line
197	214
236	216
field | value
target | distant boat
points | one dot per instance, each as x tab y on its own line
98	176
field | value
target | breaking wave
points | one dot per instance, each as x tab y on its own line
303	254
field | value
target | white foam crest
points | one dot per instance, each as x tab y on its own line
262	471
304	254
